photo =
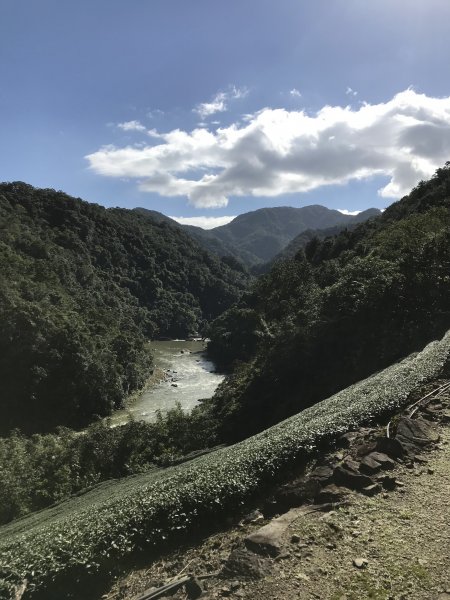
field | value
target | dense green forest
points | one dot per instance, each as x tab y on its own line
342	308
77	310
256	237
82	290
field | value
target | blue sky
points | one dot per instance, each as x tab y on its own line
208	108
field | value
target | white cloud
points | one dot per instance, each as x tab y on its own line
350	92
204	222
220	102
350	213
131	126
153	114
295	93
276	151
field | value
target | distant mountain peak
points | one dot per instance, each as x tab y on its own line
256	237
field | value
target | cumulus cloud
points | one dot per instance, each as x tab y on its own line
350	213
295	93
350	92
204	222
276	151
131	126
220	102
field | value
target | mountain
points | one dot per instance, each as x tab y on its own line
82	289
301	240
340	310
256	237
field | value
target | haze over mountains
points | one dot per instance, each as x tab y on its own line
256	237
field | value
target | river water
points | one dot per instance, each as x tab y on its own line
187	377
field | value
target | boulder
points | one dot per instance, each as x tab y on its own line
330	494
366	448
297	492
369	466
350	478
383	459
322	474
390	446
413	433
269	540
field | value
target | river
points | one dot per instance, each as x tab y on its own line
187	377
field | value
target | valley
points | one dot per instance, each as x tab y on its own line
337	334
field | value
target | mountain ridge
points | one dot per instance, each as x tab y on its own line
256	237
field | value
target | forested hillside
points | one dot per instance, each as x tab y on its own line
256	237
340	310
303	238
82	289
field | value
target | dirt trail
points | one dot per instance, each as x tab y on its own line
402	538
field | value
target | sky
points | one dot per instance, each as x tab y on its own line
206	109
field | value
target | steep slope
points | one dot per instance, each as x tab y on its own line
256	237
341	310
82	289
55	548
303	239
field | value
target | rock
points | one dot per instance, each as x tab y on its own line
347	439
369	466
420	459
389	483
330	494
322	474
350	478
445	416
254	517
268	540
295	539
386	463
372	490
174	384
193	589
351	465
422	562
360	563
415	432
283	556
245	565
365	448
430	471
297	492
390	446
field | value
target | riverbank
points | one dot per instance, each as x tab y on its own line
183	375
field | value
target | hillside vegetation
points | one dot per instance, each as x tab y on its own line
256	237
94	530
82	289
341	309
